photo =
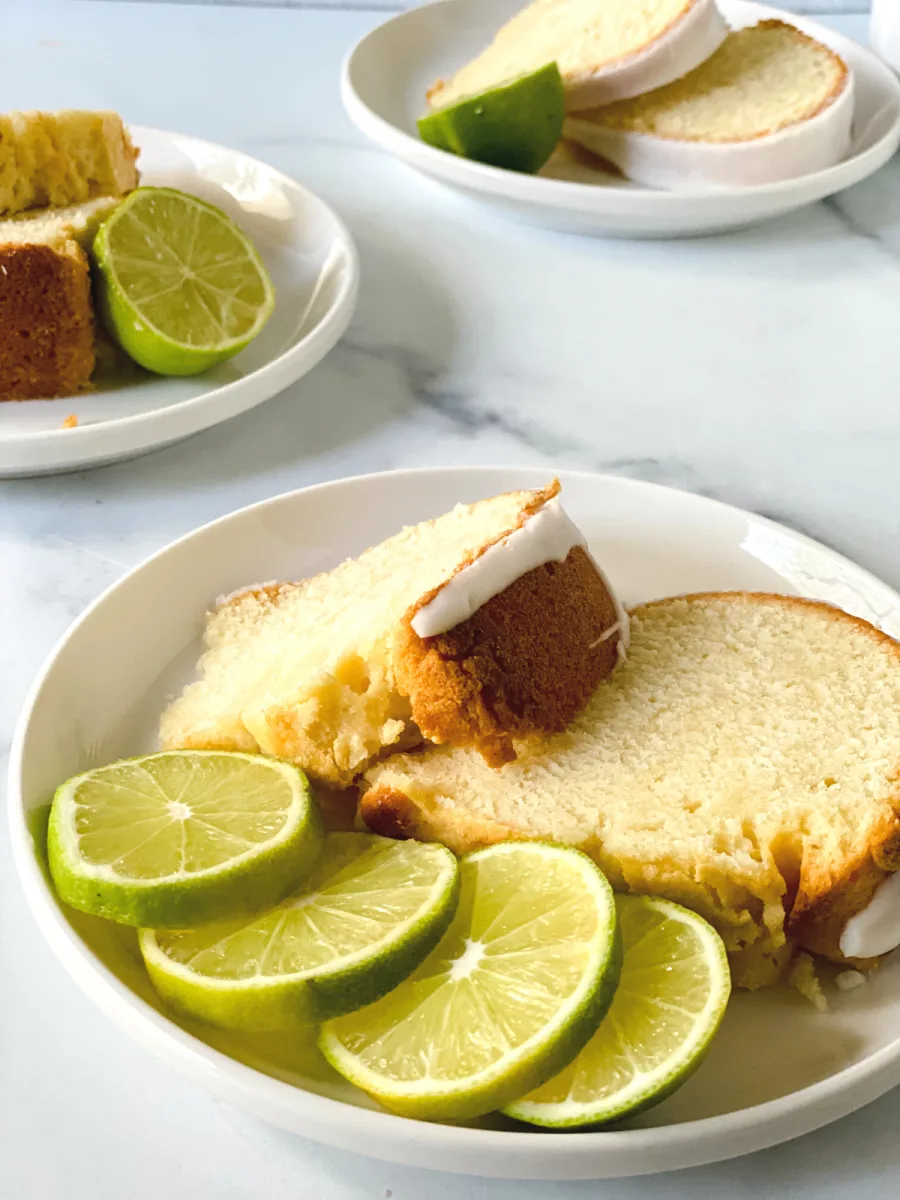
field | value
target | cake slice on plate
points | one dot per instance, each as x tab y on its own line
605	49
63	158
61	175
46	320
770	104
744	761
488	624
47	327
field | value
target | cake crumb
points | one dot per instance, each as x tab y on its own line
848	980
804	979
70	422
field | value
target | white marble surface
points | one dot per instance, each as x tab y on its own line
760	368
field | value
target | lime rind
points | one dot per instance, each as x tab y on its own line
150	346
516	125
646	1089
286	1001
255	879
529	1064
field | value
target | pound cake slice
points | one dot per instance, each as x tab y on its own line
743	761
47	328
63	158
489	623
46	320
605	49
770	104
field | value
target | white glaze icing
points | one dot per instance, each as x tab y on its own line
671	163
546	536
687	43
848	980
876	929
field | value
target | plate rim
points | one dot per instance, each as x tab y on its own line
278	373
338	1123
601	202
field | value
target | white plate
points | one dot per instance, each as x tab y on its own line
778	1069
313	264
383	87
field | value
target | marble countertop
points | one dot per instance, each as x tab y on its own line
760	368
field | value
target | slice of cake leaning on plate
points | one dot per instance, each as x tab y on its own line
605	49
47	325
61	175
482	628
744	761
770	104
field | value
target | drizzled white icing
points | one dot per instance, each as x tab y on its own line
876	929
546	536
848	980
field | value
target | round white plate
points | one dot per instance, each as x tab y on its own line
384	81
778	1069
313	264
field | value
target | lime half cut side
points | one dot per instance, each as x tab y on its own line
672	996
179	285
182	837
515	989
517	125
368	915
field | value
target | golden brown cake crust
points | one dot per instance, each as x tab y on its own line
393	814
523	664
46	322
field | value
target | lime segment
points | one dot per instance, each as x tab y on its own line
516	126
182	837
671	999
515	989
363	921
180	287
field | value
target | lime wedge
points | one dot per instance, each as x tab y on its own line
362	922
671	999
180	287
515	989
183	837
516	126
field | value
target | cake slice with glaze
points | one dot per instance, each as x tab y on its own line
744	761
487	625
770	104
606	50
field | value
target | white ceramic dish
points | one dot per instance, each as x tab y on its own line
778	1069
384	81
313	264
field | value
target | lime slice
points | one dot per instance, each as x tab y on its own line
516	126
178	838
180	287
671	999
364	920
515	989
